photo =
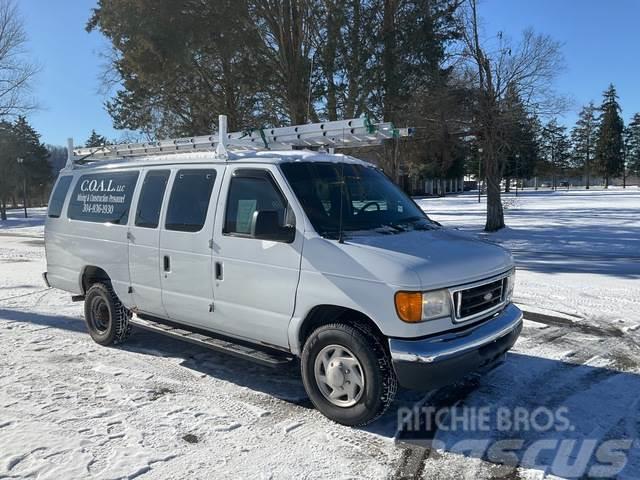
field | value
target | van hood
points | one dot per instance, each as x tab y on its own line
428	259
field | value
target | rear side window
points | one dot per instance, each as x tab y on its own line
189	200
151	195
103	197
57	197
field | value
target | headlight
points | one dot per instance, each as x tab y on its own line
511	282
416	307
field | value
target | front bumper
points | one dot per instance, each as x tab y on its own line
445	358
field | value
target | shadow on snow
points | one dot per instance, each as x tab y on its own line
598	404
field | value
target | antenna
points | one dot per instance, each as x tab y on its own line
221	148
340	231
342	193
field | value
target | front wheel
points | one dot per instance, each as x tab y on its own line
347	374
107	319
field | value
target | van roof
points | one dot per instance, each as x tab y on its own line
247	156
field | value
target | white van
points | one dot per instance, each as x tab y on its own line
273	255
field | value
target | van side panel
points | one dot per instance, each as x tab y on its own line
73	245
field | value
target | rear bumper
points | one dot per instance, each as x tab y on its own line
442	359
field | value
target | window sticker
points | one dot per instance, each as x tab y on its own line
103	197
245	215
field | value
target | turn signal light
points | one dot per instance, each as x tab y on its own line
409	306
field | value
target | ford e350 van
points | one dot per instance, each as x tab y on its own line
273	255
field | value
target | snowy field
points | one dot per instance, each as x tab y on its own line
160	408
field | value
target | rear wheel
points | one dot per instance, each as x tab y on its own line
107	319
347	374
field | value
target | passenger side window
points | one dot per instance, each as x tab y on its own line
189	200
249	193
58	196
150	201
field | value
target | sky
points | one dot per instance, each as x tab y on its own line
600	42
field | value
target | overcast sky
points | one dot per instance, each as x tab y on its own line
601	43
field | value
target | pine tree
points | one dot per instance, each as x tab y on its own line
95	140
609	146
583	139
632	141
519	137
35	154
8	166
556	150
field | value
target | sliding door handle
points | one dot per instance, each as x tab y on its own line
218	270
166	263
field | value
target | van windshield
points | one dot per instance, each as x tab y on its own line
367	198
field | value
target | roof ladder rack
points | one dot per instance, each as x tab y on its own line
357	132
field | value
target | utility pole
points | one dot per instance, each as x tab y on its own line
553	165
479	172
517	157
24	185
624	166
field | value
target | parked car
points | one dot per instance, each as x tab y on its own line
273	256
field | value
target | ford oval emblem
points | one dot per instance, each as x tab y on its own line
488	296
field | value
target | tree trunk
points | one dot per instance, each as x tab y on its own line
587	169
389	58
495	213
507	185
334	25
3	210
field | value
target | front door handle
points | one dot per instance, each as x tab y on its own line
167	263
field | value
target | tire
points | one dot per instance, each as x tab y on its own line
107	319
360	405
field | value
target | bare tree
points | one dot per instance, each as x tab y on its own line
525	69
16	72
290	35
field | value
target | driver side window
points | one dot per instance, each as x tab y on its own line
250	192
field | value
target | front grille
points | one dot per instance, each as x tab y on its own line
472	302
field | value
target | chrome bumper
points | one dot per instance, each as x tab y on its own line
451	344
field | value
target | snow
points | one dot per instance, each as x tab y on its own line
160	408
577	251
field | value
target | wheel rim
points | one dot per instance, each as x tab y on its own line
339	376
100	317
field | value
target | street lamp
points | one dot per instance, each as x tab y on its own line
517	157
24	185
479	172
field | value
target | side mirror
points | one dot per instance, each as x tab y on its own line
265	225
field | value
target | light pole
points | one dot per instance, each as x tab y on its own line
479	172
517	157
24	185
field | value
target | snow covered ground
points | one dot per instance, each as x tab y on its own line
159	408
577	251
